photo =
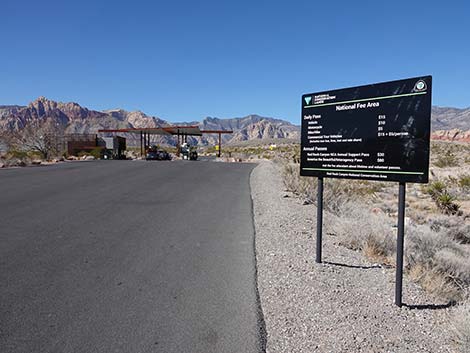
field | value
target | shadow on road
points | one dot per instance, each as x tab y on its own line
352	266
430	306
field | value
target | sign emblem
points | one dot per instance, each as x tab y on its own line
420	86
308	100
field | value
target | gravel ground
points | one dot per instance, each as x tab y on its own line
342	305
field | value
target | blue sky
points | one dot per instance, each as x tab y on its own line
185	60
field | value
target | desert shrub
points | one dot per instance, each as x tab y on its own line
452	227
301	186
436	188
464	181
435	256
170	149
461	233
447	159
35	155
459	186
422	244
336	192
17	154
453	264
96	152
460	325
15	162
437	262
341	193
433	282
17	158
210	149
445	202
360	229
295	154
266	156
432	257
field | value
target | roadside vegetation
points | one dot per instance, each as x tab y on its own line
35	142
363	215
460	325
244	152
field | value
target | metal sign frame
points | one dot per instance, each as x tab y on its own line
401	191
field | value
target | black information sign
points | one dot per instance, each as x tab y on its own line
375	132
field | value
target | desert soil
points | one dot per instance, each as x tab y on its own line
345	304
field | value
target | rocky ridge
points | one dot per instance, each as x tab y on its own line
446	118
454	135
450	124
77	119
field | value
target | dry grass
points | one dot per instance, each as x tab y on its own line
449	154
433	281
337	192
280	150
432	257
363	230
436	254
437	236
443	198
435	247
15	158
464	182
453	227
460	325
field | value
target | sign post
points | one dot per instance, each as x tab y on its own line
319	219
375	132
400	244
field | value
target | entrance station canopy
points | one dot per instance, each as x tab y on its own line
179	131
167	130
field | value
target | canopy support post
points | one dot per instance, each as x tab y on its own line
220	144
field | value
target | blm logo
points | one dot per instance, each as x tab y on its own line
420	86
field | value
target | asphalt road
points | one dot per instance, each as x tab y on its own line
128	256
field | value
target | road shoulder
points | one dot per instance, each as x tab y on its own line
343	305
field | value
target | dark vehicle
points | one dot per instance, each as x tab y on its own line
189	152
158	155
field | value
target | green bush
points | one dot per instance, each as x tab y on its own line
210	149
17	154
435	189
96	152
443	199
446	204
464	181
460	325
447	160
452	227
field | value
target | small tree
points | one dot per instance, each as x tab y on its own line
3	140
45	138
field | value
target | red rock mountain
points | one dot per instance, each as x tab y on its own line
451	135
77	119
447	123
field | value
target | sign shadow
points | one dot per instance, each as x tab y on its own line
352	266
430	306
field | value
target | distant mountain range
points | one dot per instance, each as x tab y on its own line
77	119
444	118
